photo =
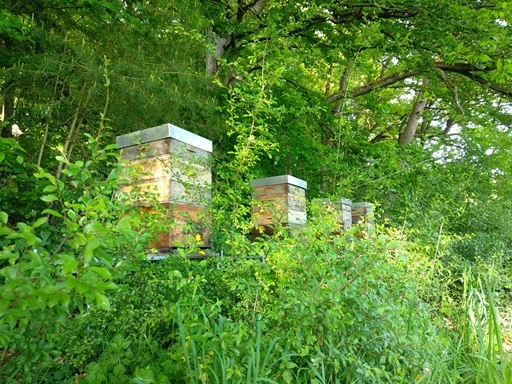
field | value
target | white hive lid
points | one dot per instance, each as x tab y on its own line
162	132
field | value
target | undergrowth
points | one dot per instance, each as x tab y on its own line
79	301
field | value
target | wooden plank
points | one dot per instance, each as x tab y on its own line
192	221
297	217
272	200
362	211
183	222
195	195
148	168
175	167
166	146
157	187
189	152
296	203
147	150
267	218
174	164
173	180
270	190
296	191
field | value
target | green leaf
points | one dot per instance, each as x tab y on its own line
287	376
175	273
106	285
143	376
53	301
87	256
5	231
4	217
10	272
178	244
93	243
103	272
114	174
51	212
102	300
40	221
19	159
49	188
48	198
5	254
64	298
69	264
11	319
2	156
71	282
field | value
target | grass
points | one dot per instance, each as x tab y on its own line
476	354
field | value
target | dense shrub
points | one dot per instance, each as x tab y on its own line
80	302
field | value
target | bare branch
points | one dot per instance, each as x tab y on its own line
467	70
453	89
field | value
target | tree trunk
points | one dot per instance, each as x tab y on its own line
216	45
343	86
8	111
73	129
328	81
407	135
212	55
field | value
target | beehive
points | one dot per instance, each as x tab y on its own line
363	211
173	171
344	207
279	199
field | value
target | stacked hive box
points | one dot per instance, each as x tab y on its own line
363	210
279	199
344	207
174	167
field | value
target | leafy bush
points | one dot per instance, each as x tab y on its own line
79	301
58	266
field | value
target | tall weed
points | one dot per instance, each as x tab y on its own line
476	354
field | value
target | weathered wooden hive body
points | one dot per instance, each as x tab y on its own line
363	211
173	167
279	199
344	208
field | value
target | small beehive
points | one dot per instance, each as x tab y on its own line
279	199
173	171
363	211
344	207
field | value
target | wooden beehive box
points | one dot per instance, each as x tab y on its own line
279	199
173	170
344	207
363	211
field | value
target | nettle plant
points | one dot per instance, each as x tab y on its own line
60	265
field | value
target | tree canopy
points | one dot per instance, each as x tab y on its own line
402	103
362	98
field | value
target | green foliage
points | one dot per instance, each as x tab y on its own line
318	89
321	306
19	194
477	353
316	306
59	265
